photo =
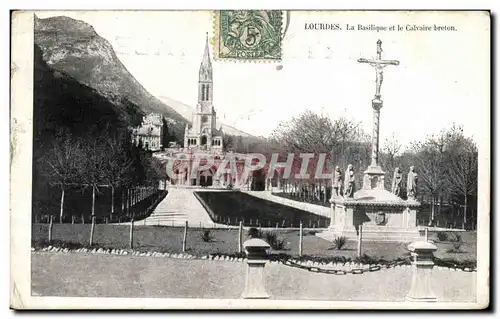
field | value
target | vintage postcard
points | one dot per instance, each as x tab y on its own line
250	159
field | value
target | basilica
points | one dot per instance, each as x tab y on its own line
203	133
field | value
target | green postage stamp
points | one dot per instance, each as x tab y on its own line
248	34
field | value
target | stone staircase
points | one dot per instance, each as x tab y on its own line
179	205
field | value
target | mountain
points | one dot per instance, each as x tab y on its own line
74	48
187	112
64	105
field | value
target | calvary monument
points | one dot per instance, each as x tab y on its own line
383	215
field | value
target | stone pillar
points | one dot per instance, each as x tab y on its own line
255	249
332	215
377	105
421	282
411	217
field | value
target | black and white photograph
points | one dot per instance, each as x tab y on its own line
250	159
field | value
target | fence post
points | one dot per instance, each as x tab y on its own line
256	260
131	235
92	227
240	233
72	219
51	224
276	227
426	234
360	239
185	236
423	262
300	239
83	219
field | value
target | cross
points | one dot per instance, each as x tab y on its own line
379	66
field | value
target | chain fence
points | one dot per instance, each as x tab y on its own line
369	268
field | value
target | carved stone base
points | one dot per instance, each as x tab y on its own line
373	178
384	216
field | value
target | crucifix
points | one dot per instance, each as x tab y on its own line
378	64
374	175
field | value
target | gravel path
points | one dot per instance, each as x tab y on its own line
92	275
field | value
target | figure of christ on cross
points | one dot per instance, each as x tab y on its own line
379	66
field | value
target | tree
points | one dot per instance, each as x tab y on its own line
116	170
63	165
431	168
342	139
390	158
227	141
96	164
166	136
462	167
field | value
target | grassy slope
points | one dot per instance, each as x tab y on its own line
241	206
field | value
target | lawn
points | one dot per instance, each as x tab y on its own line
169	239
232	207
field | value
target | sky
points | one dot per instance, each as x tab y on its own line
443	76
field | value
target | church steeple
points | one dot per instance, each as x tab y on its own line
206	65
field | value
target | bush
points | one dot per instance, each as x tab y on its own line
339	242
206	236
442	236
254	233
455	238
273	241
457	248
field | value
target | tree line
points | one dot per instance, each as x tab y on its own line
95	162
446	162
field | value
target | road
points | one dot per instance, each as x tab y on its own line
95	275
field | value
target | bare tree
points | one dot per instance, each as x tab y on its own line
431	167
390	157
310	132
63	165
116	167
462	167
391	150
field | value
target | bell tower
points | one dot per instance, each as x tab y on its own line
205	82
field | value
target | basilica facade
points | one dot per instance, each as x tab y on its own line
203	133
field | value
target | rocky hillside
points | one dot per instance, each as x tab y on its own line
74	48
64	105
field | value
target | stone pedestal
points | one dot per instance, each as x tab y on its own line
373	178
255	278
421	282
384	216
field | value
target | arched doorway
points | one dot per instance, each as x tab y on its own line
203	140
258	181
206	177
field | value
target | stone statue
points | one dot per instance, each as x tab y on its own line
349	182
396	182
337	182
411	185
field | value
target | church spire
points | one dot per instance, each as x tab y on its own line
205	83
206	64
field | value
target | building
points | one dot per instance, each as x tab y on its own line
203	134
150	133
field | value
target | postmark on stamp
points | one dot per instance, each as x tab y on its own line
250	35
